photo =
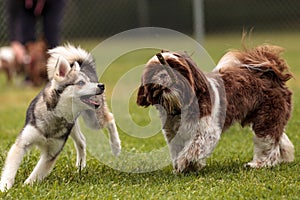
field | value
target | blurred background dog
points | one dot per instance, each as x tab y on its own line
32	67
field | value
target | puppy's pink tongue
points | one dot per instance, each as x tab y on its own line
94	100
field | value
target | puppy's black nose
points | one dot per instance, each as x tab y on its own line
101	86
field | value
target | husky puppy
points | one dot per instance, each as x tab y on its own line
73	89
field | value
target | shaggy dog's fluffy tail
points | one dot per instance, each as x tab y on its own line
265	59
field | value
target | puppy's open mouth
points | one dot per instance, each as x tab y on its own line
91	100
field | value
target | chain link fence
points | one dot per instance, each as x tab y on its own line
101	19
266	15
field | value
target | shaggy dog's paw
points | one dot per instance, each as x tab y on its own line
255	164
186	167
180	165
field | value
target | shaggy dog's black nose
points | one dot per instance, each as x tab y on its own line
162	76
101	86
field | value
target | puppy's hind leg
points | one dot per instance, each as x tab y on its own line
80	144
106	120
15	155
114	139
102	118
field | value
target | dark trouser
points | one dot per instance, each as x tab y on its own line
23	21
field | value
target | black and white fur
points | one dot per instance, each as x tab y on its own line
73	89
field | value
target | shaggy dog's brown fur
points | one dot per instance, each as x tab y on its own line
247	86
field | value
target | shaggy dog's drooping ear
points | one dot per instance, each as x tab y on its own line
248	87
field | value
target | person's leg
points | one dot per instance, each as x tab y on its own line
14	8
28	25
52	18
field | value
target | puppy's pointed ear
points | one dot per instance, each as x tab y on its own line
62	68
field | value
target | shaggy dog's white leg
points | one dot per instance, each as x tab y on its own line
175	148
268	152
286	148
207	135
80	145
114	139
193	156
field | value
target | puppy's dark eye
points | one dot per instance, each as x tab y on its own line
80	83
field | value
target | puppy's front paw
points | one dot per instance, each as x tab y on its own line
5	185
29	181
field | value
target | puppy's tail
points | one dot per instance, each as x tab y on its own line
267	60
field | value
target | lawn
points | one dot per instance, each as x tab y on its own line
144	170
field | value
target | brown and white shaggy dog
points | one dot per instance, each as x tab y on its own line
247	86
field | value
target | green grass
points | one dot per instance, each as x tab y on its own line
224	177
